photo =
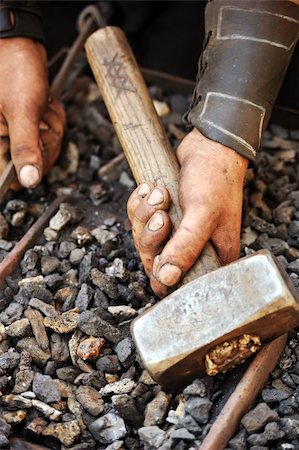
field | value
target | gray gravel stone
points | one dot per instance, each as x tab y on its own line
84	297
258	417
38	355
12	313
182	434
290	427
273	395
105	283
155	411
152	436
126	408
239	441
109	364
271	433
49	264
59	348
9	360
199	408
90	399
45	389
93	325
125	351
76	256
19	328
108	428
197	387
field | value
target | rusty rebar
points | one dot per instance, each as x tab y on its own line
246	392
11	261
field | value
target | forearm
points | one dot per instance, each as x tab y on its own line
21	19
248	48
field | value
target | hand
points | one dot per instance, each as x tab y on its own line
34	126
210	192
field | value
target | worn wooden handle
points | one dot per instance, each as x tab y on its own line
137	124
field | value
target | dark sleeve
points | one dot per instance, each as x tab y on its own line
248	47
21	19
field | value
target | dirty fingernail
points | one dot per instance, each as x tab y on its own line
29	176
156	222
169	274
156	197
144	189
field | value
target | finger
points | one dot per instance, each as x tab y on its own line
135	198
56	107
51	138
25	148
152	238
3	126
226	243
157	199
185	246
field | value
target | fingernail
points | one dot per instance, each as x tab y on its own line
144	190
156	197
29	176
43	126
156	222
169	274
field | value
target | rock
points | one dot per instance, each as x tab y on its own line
124	386
24	375
109	364
9	360
105	283
2	333
76	256
45	389
36	321
59	348
93	325
19	328
117	269
68	373
31	346
273	395
90	348
12	313
125	351
49	264
47	310
14	416
189	423
4	442
122	312
182	434
258	417
152	436
82	235
37	425
155	411
108	428
65	323
29	261
90	399
290	427
197	388
88	262
48	411
126	408
65	249
84	297
271	433
66	432
50	234
53	280
161	108
60	219
199	408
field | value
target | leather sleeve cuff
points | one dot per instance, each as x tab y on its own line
247	50
21	19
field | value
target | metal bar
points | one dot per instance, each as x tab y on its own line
11	261
244	395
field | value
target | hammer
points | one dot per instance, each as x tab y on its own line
220	315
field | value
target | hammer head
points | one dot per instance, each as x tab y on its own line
250	296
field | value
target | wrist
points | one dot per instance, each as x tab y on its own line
195	143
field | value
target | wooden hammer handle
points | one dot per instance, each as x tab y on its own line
137	124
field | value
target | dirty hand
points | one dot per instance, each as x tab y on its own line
210	192
34	125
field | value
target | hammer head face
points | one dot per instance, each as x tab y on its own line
252	295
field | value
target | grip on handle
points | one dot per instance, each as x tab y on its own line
137	124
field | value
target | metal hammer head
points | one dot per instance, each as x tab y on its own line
252	296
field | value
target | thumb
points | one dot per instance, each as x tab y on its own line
25	148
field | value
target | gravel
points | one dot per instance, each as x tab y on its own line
69	374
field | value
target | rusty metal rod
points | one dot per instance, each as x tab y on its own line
11	261
246	392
